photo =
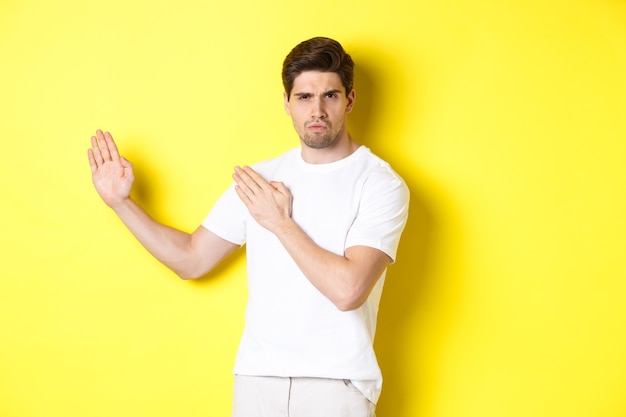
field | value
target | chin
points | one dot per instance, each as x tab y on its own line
319	143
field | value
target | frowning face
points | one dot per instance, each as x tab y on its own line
318	107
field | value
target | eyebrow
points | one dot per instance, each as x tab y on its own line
304	93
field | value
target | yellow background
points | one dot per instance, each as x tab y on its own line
506	118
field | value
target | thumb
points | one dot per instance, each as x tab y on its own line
128	169
279	186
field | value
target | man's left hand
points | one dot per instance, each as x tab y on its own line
269	203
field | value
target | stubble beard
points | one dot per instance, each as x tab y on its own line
321	140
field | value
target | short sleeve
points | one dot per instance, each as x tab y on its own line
228	217
382	214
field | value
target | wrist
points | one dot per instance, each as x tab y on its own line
286	228
121	205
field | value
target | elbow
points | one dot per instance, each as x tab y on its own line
186	276
192	269
351	295
346	306
349	301
188	273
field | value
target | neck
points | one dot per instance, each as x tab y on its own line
340	149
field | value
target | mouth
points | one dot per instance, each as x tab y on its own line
317	127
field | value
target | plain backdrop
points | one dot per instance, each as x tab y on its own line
506	119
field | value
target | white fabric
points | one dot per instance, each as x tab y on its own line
263	396
292	330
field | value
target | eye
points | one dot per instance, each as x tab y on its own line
331	95
303	96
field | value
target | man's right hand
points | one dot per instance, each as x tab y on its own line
111	173
189	255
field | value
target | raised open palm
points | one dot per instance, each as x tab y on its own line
111	173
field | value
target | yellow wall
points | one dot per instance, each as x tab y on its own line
507	120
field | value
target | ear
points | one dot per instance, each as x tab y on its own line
351	97
286	104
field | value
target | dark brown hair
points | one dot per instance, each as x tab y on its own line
318	54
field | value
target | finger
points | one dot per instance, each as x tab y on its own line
244	180
112	147
279	186
128	168
104	147
282	189
92	161
243	196
256	177
95	149
255	182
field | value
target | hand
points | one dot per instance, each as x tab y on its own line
269	203
111	173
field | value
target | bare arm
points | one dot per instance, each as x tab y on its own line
188	255
346	280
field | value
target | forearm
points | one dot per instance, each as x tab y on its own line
346	280
188	255
170	246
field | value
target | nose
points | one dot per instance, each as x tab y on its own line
318	111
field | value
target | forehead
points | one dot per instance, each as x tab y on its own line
317	81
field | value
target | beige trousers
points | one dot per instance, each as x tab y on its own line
298	397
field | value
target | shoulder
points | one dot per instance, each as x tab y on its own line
382	188
267	167
379	173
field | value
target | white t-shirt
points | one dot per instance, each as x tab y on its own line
293	330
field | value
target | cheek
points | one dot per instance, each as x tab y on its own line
297	114
297	121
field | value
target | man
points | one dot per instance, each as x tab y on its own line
321	223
